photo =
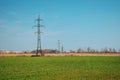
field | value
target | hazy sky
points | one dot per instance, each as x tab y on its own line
76	23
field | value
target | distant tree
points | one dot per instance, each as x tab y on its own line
53	51
79	50
71	51
119	50
105	50
50	51
114	50
90	50
110	50
93	51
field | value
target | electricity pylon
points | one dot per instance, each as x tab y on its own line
62	49
58	46
39	48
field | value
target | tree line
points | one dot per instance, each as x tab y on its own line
80	50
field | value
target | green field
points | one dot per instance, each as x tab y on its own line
60	68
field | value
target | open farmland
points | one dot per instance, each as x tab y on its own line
60	68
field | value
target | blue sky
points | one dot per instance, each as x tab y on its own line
76	23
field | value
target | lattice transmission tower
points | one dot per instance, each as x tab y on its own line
58	46
39	47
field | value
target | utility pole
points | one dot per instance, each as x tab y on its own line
39	48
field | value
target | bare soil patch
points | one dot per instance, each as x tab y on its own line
63	54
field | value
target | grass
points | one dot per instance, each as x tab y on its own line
59	68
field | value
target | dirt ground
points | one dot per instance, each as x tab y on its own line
64	54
